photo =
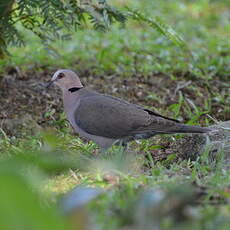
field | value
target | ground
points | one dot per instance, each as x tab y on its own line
140	65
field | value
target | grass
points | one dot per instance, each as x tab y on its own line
202	183
139	192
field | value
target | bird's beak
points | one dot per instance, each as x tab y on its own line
48	84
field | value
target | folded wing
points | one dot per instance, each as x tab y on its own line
106	116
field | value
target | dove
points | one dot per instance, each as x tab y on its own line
109	120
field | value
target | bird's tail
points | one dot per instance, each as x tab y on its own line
182	128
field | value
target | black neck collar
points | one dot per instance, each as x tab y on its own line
74	89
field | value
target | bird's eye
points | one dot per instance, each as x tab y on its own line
61	75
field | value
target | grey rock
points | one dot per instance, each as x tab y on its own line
20	125
215	142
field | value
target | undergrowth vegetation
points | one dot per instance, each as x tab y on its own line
137	189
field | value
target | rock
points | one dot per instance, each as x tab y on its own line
20	126
216	141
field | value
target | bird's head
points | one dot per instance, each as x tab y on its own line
66	80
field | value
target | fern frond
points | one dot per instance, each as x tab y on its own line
54	19
51	19
158	24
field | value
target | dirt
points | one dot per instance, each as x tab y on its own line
23	94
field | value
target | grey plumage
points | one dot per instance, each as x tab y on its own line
106	119
111	117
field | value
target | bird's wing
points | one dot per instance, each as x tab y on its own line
106	116
142	108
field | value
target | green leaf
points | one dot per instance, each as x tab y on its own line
21	208
153	147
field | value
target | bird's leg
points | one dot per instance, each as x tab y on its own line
123	144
